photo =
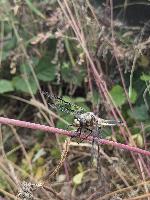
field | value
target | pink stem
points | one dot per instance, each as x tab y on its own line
44	128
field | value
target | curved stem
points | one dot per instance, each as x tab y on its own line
44	128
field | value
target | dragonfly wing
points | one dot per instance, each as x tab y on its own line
64	106
105	122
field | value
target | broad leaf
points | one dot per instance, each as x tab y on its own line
25	69
45	70
5	86
118	95
139	113
71	75
21	85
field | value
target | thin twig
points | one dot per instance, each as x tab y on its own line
44	128
53	192
63	157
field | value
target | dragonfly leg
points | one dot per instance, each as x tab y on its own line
77	133
98	135
87	135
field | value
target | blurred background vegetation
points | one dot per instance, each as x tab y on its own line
95	54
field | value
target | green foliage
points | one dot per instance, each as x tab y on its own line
133	96
55	153
46	70
118	95
81	102
138	139
145	77
25	70
23	85
34	9
77	179
9	45
139	113
5	86
38	46
66	117
71	75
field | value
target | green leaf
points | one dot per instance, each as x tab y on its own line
45	70
25	69
133	96
5	86
145	77
10	44
70	75
118	95
69	120
5	54
139	113
77	179
7	28
21	85
138	139
34	9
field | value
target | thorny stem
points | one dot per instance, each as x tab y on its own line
44	128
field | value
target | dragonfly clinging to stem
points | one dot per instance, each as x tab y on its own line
86	122
83	121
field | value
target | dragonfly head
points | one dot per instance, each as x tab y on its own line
77	122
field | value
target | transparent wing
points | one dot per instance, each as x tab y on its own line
64	106
105	122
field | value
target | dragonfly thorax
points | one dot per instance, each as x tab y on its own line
87	119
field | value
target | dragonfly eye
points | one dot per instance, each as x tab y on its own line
77	122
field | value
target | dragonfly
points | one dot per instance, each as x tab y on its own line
86	122
83	121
